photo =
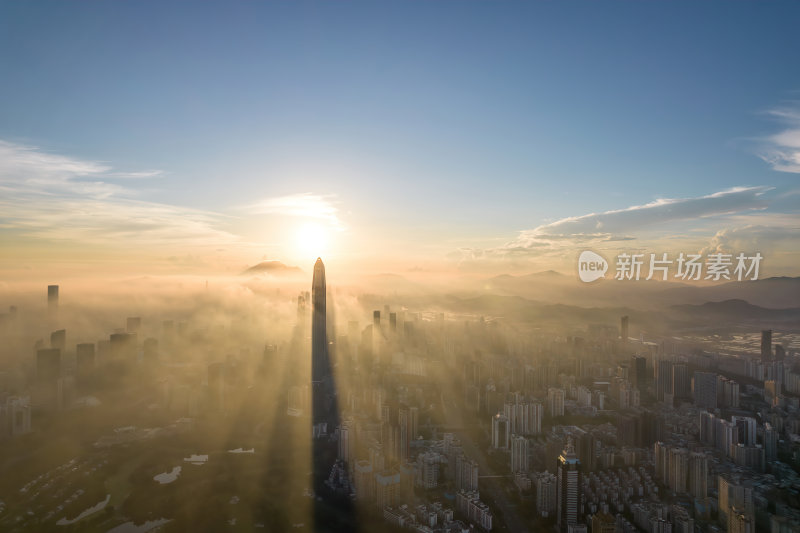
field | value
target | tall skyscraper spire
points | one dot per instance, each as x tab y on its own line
321	381
319	333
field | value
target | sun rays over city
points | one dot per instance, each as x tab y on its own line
430	267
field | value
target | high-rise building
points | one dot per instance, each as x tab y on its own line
766	345
546	493
681	385
747	429
770	442
639	370
664	379
501	431
52	302
698	475
735	498
570	487
519	453
58	339
555	401
387	488
323	409
623	328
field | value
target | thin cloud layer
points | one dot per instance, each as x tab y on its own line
782	150
621	224
60	198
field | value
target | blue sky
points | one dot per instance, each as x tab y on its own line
434	125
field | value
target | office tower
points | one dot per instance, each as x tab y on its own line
133	324
376	320
663	380
585	448
705	390
555	401
546	494
570	487
639	370
321	384
698	475
766	345
123	346
623	328
501	434
603	523
48	387
52	301
58	339
393	322
681	387
519	453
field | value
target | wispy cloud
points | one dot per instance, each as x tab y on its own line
782	150
652	225
623	224
308	205
61	198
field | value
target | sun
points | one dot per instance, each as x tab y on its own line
312	240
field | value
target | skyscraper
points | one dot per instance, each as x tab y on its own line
569	487
766	345
52	303
623	328
321	386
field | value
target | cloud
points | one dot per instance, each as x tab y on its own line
782	150
308	205
619	225
60	198
752	238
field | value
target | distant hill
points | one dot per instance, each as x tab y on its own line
773	293
736	310
272	267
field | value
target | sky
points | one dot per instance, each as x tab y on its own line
411	137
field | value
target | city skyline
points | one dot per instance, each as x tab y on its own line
408	267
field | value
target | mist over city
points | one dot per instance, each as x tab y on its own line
403	267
